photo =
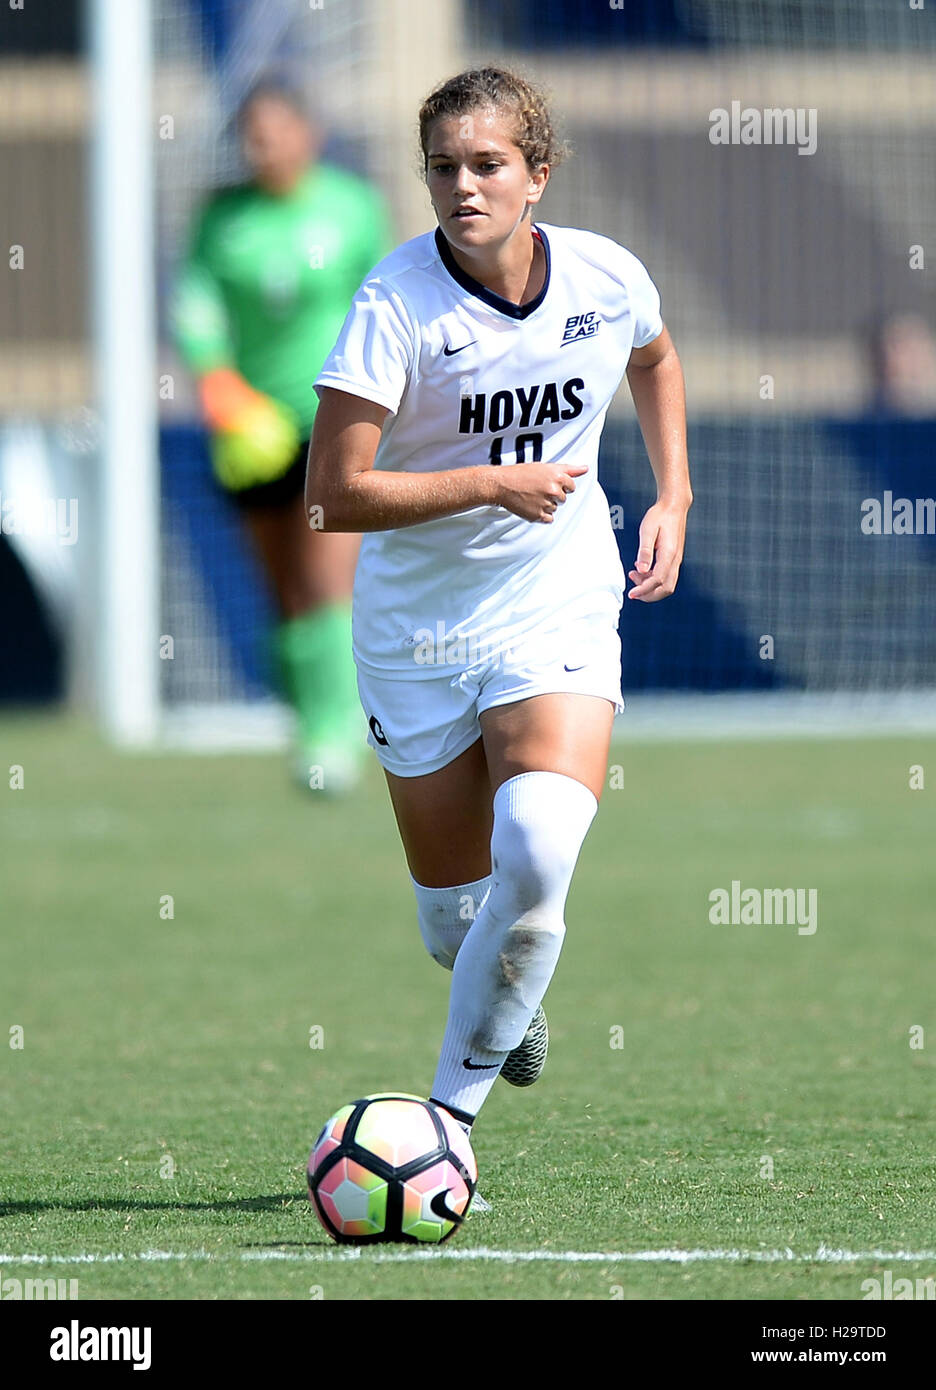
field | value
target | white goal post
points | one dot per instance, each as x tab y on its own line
122	269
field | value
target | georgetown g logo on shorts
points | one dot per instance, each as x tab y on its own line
377	730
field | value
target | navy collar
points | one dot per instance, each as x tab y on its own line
473	286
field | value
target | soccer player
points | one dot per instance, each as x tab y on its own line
458	429
271	270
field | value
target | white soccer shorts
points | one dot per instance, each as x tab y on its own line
418	726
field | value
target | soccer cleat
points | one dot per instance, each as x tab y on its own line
525	1063
478	1205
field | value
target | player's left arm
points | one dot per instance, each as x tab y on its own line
655	378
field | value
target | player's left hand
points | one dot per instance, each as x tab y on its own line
660	552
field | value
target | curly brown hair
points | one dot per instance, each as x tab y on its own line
502	89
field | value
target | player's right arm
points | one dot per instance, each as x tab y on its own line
348	495
253	437
197	311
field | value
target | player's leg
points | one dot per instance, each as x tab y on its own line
307	569
427	739
445	820
312	576
547	757
566	734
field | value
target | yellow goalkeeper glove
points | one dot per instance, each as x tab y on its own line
254	437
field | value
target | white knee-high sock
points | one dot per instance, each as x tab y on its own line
511	949
445	914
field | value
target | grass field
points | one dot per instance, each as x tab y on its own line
156	1046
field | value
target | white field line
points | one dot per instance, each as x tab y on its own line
372	1255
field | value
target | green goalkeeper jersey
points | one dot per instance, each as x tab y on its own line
269	279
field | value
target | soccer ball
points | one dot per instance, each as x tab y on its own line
391	1167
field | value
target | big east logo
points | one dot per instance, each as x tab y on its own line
580	326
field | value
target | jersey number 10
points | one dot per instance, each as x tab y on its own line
535	441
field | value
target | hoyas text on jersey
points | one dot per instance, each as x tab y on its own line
521	406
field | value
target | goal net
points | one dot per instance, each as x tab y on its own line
771	163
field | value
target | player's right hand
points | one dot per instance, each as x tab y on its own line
254	438
227	400
534	490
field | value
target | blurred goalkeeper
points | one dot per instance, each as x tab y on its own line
268	279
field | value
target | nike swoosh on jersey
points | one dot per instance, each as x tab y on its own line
450	351
575	668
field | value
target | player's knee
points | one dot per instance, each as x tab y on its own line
445	916
439	950
533	863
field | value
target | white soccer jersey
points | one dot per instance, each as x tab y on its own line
472	378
